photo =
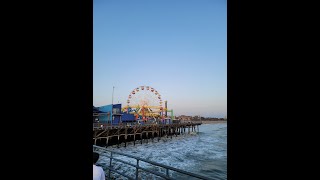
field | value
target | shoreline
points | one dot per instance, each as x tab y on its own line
213	122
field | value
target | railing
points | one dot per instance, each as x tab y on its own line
165	176
108	125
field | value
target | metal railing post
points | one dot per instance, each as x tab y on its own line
165	176
109	176
137	170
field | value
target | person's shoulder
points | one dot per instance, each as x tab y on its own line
97	167
100	168
101	171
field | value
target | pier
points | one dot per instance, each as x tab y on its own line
107	135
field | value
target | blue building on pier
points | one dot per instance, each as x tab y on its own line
112	114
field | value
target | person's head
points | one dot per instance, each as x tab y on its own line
95	157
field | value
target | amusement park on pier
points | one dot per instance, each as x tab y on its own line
144	116
144	106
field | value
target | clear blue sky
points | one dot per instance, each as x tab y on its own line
179	47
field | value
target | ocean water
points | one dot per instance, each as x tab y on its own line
204	153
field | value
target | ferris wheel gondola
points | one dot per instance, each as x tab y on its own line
146	102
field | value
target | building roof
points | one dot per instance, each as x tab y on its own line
96	110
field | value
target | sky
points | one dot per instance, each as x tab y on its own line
178	47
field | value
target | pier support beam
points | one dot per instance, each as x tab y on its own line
118	136
125	137
101	136
167	131
147	135
141	137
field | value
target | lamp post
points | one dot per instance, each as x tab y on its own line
112	94
112	106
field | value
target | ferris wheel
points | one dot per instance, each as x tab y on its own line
145	102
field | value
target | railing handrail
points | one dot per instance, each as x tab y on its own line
153	163
106	125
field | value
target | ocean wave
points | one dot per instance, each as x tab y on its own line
204	153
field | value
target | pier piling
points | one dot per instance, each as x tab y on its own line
116	135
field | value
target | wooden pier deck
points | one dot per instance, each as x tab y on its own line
111	135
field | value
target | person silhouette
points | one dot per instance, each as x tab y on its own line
98	173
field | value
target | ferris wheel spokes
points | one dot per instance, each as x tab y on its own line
144	101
